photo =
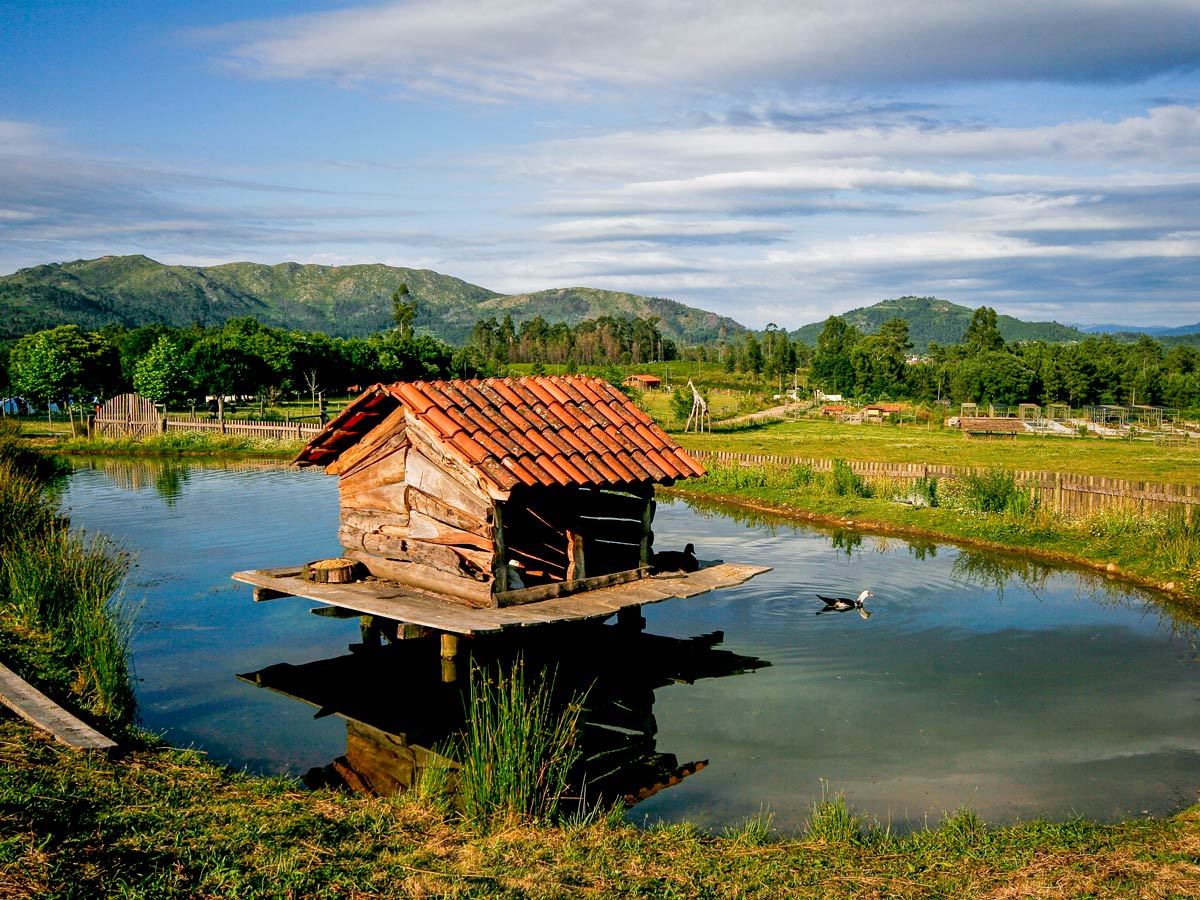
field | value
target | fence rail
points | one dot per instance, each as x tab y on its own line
280	431
1061	491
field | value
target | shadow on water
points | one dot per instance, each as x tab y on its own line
392	734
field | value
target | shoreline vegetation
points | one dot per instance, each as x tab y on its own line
158	822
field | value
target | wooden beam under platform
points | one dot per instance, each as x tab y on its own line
405	604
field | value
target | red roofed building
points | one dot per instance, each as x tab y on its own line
443	483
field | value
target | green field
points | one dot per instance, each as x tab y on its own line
824	439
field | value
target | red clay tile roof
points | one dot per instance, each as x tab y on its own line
540	430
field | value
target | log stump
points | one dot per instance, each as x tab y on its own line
331	571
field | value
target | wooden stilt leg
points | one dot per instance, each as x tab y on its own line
449	648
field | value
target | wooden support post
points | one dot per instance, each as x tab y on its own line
449	649
371	635
645	550
499	554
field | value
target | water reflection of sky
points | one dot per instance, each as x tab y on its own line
978	681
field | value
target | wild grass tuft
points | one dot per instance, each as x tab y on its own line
993	491
755	831
519	747
832	821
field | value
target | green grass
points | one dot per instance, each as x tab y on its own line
181	443
162	823
917	444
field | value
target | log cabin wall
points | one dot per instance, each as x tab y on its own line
413	519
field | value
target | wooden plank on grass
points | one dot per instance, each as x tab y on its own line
39	710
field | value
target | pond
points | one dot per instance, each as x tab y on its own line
979	680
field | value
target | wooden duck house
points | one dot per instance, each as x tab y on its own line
498	491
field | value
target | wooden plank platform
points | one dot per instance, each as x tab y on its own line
39	710
406	604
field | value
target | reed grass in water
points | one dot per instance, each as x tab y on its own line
519	747
64	623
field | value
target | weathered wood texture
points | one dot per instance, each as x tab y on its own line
1060	491
128	416
39	710
405	604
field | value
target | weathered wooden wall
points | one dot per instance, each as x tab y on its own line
1064	492
413	519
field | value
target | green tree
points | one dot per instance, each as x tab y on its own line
66	363
752	356
880	360
42	372
983	334
161	374
222	368
404	312
832	365
992	377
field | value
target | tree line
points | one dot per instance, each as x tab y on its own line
983	368
240	358
603	341
244	358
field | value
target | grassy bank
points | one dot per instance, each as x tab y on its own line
175	443
992	509
168	824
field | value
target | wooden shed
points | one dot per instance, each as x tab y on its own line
444	484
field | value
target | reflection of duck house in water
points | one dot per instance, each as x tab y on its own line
389	735
443	483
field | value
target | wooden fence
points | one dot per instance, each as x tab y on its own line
127	416
133	416
1060	491
279	431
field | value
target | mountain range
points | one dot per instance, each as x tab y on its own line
355	301
346	301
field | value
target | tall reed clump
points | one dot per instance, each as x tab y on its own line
992	491
845	482
519	747
63	622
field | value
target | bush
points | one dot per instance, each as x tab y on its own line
994	491
845	482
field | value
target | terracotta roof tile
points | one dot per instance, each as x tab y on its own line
539	430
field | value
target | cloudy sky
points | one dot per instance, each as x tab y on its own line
774	161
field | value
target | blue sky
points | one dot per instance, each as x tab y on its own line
775	162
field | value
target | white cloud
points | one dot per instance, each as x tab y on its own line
556	49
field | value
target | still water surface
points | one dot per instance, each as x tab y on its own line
979	680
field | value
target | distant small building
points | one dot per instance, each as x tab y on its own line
881	410
645	382
833	410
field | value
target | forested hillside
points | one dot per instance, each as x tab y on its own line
931	319
341	301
